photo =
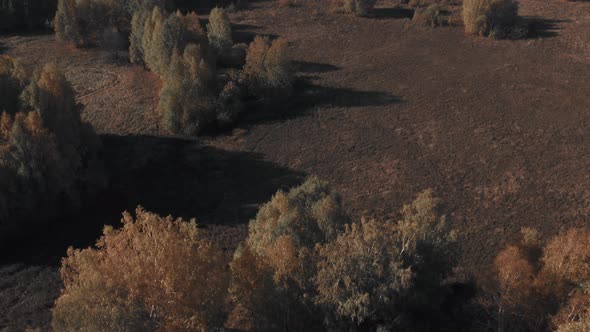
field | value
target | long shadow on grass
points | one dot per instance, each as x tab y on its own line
309	96
168	176
543	28
392	13
245	33
4	48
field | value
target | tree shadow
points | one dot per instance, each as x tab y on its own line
245	33
307	97
392	13
313	67
167	176
4	48
543	28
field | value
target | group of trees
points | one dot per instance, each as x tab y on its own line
92	22
304	265
25	14
206	77
48	156
204	82
541	286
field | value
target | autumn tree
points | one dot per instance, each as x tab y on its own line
267	71
48	156
278	259
379	273
543	287
153	272
187	104
219	29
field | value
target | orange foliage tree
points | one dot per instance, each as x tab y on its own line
153	272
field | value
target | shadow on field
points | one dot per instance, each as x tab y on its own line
245	33
543	28
168	176
4	48
309	96
392	13
306	67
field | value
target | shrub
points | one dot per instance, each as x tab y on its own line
229	104
434	15
152	272
568	257
494	18
267	72
358	7
278	258
26	14
580	325
219	29
48	156
376	272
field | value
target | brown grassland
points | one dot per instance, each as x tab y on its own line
383	109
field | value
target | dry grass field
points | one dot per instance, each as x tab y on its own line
383	109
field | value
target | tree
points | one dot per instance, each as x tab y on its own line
279	258
157	271
267	72
379	273
48	156
219	29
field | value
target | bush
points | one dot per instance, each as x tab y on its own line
568	257
26	14
494	18
48	156
219	29
267	71
278	259
434	15
358	7
376	273
229	104
152	272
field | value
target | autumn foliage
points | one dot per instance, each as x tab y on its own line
48	156
543	286
152	273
